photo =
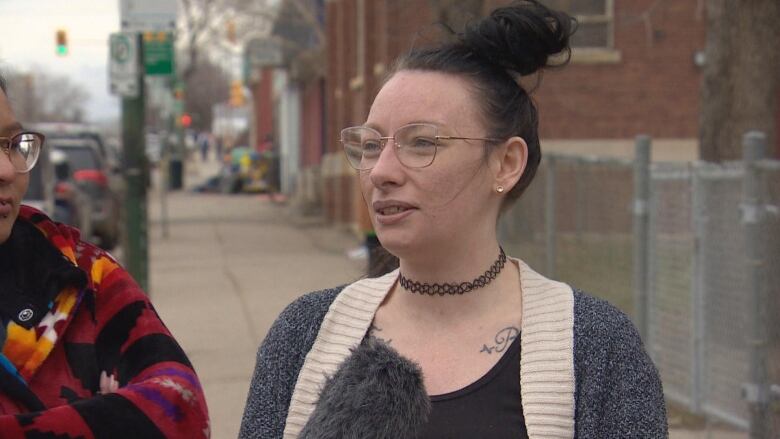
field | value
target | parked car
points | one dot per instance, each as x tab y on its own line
63	130
111	158
90	172
40	190
71	203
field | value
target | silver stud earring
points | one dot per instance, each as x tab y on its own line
500	189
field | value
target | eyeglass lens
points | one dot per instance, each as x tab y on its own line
415	145
23	151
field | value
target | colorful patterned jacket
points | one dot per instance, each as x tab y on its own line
84	354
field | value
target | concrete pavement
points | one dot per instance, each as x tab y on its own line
228	267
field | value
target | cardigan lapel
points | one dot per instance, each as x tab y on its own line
343	328
547	356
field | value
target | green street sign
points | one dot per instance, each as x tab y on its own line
158	53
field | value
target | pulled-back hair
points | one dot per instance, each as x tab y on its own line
493	53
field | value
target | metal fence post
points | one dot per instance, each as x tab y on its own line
699	224
579	197
757	392
549	216
641	233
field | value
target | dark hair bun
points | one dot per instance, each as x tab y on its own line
520	37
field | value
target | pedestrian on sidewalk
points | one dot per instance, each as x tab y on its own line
83	352
462	341
204	144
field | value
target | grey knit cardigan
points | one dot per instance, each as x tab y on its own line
615	389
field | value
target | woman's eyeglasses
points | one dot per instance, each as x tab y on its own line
23	150
416	145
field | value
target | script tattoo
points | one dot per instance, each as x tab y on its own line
372	332
503	339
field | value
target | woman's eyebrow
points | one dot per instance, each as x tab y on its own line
11	128
414	122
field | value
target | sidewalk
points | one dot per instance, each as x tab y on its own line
228	267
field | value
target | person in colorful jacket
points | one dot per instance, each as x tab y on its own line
84	354
462	340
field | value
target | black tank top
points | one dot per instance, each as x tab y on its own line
487	408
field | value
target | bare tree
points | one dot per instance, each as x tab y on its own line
208	85
47	97
741	75
299	29
197	30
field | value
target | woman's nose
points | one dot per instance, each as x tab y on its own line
7	168
387	169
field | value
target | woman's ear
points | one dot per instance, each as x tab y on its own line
509	162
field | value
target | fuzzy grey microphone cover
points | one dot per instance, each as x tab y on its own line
376	393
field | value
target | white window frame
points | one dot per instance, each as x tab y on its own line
598	54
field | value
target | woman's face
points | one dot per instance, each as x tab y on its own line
13	185
422	208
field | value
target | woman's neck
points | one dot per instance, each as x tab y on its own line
451	266
456	268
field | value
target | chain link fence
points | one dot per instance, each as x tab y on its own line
692	254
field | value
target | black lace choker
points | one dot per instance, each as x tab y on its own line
461	288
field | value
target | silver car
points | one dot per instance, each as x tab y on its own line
91	174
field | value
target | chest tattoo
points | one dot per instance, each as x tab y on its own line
501	341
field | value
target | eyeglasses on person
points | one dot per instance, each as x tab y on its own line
416	145
22	149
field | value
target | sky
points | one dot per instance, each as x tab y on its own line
27	43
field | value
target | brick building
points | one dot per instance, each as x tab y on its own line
635	69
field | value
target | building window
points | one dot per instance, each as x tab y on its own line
595	18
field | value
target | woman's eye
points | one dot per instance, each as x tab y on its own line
423	142
371	146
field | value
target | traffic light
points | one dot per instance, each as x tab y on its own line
61	38
236	93
185	120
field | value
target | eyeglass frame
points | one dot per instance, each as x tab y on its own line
5	146
383	140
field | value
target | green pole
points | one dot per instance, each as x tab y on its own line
136	172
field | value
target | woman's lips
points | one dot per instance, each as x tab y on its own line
391	212
392	218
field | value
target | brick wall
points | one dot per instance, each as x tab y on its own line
262	95
312	124
653	89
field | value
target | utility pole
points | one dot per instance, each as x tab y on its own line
147	25
136	177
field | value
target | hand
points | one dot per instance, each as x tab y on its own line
107	383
